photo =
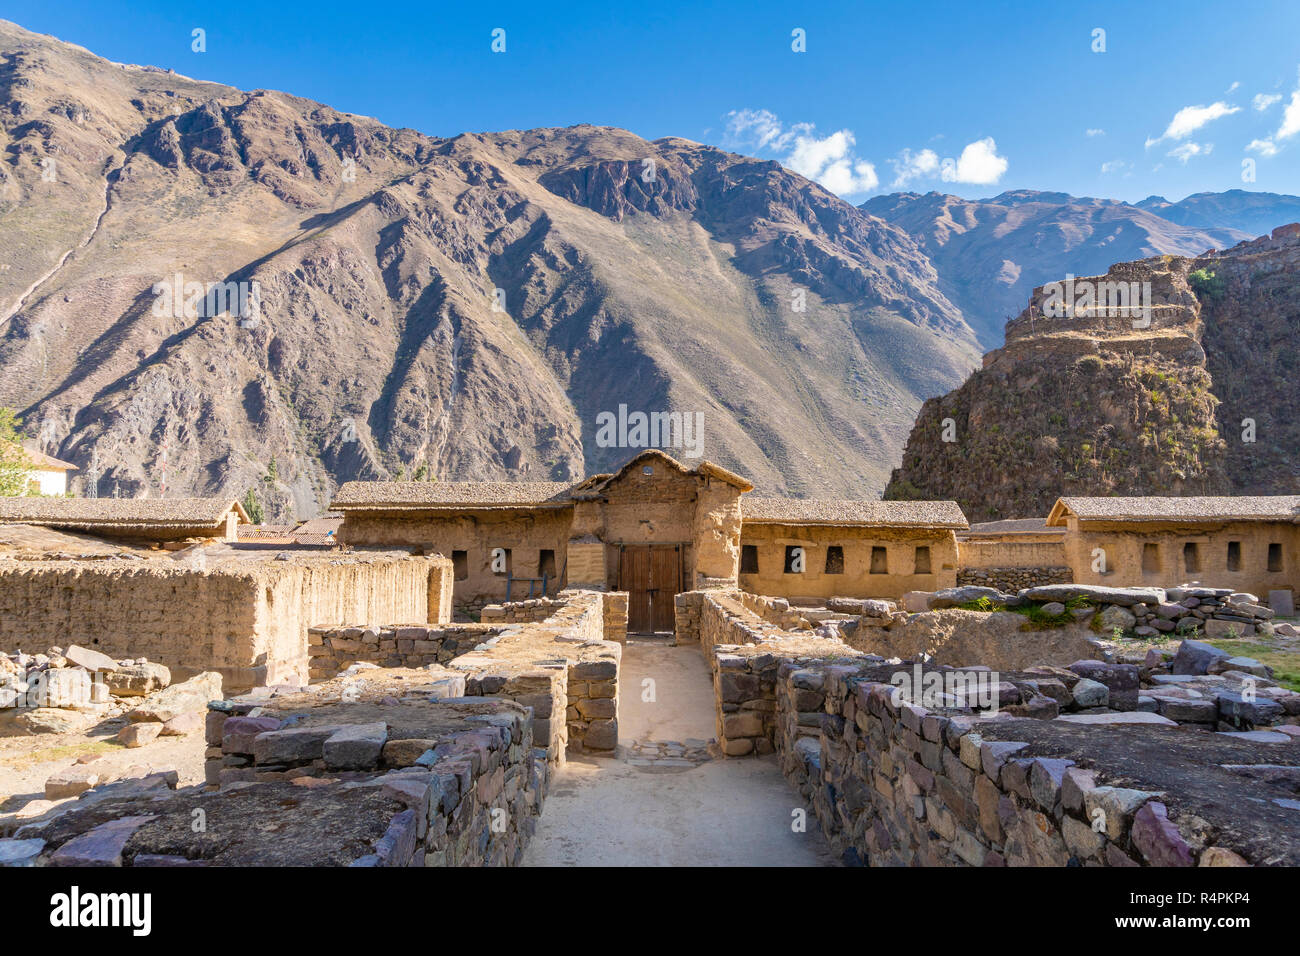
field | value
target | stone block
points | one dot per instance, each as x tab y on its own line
355	746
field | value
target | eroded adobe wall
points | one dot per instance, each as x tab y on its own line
525	534
1013	579
1123	547
247	619
188	619
856	579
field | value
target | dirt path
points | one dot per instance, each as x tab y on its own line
665	801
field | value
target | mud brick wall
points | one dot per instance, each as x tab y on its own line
1014	579
247	620
333	649
893	784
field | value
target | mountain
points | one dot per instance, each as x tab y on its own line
1200	401
461	307
1250	213
991	253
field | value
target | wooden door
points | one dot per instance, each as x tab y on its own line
652	577
634	578
665	582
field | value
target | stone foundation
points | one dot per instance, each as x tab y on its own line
1013	579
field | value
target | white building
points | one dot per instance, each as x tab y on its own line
48	476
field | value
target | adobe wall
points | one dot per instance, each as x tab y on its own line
247	619
1012	553
524	533
857	580
1123	547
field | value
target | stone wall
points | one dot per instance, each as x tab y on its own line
1011	551
245	617
1014	578
893	784
318	778
333	649
555	656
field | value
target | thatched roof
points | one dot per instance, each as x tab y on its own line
450	495
122	514
593	487
813	511
1191	509
43	462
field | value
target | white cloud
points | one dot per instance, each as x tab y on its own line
910	166
1191	118
829	160
1263	101
1265	147
1095	132
1113	166
979	164
1236	84
1187	150
1290	118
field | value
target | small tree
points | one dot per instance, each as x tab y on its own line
15	466
254	507
422	472
272	470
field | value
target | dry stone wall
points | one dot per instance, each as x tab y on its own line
1013	579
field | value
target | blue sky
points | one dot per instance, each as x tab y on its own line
970	98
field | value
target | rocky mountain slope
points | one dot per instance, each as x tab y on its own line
463	308
1251	213
1201	401
992	253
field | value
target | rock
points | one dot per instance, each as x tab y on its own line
1053	608
65	687
1220	629
137	680
70	783
101	846
1117	805
1282	602
406	752
355	746
1091	693
952	597
1124	717
917	601
90	660
1258	736
137	735
1121	681
1221	856
20	852
292	745
182	724
1097	594
51	720
1158	839
1195	657
1186	711
1246	665
1113	617
1236	709
190	696
238	733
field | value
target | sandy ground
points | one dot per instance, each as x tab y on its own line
608	812
27	761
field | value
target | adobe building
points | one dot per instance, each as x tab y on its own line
654	528
800	548
1250	543
138	519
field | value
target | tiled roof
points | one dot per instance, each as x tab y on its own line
43	462
1012	526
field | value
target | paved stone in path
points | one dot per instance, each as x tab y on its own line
666	801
